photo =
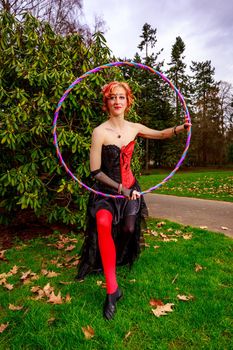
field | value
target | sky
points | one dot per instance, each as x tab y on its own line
205	26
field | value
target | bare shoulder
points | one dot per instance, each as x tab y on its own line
98	133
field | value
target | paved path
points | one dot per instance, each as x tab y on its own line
216	215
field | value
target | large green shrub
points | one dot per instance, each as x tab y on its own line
36	67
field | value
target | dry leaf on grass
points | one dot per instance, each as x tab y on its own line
55	299
204	227
198	267
14	270
51	320
2	252
3	326
154	233
51	274
88	332
156	246
14	307
163	309
3	281
70	248
187	236
155	302
101	284
185	297
68	298
160	224
8	286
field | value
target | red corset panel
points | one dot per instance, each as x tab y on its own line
127	177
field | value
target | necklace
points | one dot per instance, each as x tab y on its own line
118	135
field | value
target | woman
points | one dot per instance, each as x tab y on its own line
114	223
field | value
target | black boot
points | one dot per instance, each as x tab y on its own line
110	303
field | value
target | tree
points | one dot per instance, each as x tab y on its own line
177	71
151	106
36	67
207	126
63	15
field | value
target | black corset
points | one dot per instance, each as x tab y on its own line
110	162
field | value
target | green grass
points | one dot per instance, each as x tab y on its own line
202	323
217	185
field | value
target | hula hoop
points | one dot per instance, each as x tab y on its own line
97	69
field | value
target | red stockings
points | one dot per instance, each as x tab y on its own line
107	248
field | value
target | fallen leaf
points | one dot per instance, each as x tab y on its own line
162	235
2	257
68	298
35	289
156	246
198	267
65	283
25	275
70	248
160	224
154	233
3	275
51	274
51	320
48	289
3	326
155	302
40	295
133	280
3	281
55	299
204	227
8	286
224	228
185	297
75	263
15	308
187	236
59	246
88	332
163	310
14	270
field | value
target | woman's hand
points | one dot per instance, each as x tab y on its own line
131	195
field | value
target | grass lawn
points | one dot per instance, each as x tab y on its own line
208	184
177	260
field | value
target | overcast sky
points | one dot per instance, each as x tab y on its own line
205	26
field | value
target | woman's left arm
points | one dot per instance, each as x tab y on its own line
148	133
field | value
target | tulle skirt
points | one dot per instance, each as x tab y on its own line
127	248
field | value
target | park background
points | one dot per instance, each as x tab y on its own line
44	48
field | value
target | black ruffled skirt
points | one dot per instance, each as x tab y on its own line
127	248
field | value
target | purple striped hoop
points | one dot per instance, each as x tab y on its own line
118	64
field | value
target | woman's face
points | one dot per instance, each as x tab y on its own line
117	101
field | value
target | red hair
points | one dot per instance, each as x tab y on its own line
107	90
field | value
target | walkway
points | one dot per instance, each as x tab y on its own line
214	215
